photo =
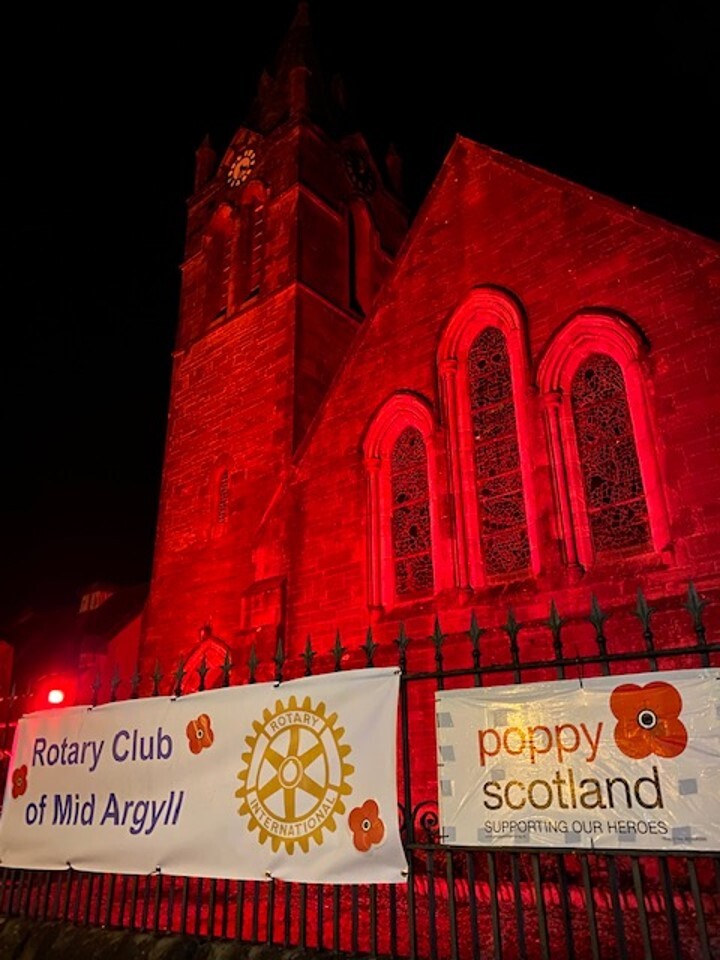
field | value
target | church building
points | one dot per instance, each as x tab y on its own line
513	400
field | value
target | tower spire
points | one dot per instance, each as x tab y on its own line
294	86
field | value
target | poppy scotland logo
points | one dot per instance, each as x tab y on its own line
19	781
200	733
366	826
648	720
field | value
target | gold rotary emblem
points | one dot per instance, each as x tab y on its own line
294	775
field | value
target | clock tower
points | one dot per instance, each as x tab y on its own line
289	236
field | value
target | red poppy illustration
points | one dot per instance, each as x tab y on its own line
19	781
199	733
648	720
366	825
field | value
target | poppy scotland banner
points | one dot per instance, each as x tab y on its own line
295	781
624	762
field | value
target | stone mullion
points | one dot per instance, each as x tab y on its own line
449	380
552	402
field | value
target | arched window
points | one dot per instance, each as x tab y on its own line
406	559
248	274
410	521
362	242
602	444
482	362
217	248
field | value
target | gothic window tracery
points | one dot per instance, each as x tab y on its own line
603	446
407	554
616	506
483	366
498	476
410	520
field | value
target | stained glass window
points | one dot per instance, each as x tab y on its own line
608	457
412	548
498	478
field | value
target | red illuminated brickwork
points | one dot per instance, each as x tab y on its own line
523	405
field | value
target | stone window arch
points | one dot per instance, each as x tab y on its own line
482	363
602	442
404	539
248	278
217	254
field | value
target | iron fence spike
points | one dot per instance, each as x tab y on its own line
642	609
308	655
252	662
338	650
226	667
369	647
555	622
156	678
695	604
178	675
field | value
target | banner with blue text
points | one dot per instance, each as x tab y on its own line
623	762
295	781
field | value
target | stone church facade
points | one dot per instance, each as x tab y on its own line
514	400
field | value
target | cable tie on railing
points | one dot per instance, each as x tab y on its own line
268	875
276	683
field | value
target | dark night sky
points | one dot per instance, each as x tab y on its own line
102	121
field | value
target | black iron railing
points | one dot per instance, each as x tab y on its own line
459	903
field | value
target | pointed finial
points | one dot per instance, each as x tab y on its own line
205	162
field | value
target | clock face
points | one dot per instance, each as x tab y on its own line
359	171
241	167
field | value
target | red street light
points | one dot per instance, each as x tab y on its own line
54	690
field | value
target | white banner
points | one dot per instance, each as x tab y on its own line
295	781
623	762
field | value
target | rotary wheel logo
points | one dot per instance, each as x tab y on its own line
294	775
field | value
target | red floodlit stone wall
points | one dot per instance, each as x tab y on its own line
305	544
560	256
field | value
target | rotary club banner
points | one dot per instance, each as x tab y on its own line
624	762
295	781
